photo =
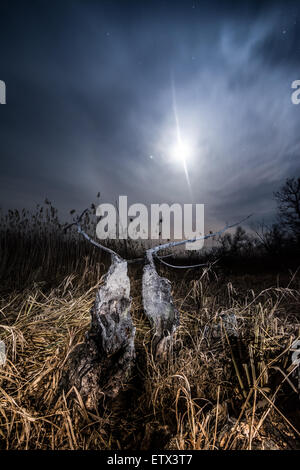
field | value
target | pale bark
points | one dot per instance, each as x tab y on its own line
160	311
102	365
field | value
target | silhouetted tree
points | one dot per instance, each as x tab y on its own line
238	243
288	202
273	239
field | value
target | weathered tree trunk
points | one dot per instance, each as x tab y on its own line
102	364
160	310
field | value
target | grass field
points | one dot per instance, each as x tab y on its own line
217	391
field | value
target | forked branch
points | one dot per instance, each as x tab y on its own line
154	250
114	298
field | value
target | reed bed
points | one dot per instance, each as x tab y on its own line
229	384
215	392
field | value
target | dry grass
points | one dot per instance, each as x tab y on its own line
217	391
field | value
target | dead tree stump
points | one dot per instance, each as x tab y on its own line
160	310
102	364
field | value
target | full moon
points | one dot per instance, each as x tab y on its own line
181	152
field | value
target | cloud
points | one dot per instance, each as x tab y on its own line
90	99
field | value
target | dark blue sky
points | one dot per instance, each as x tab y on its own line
90	102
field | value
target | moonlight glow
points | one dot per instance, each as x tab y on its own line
181	152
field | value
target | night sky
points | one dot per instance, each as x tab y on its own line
94	89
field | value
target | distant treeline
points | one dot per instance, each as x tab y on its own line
34	246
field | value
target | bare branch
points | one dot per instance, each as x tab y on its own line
77	220
154	250
98	245
180	267
86	236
